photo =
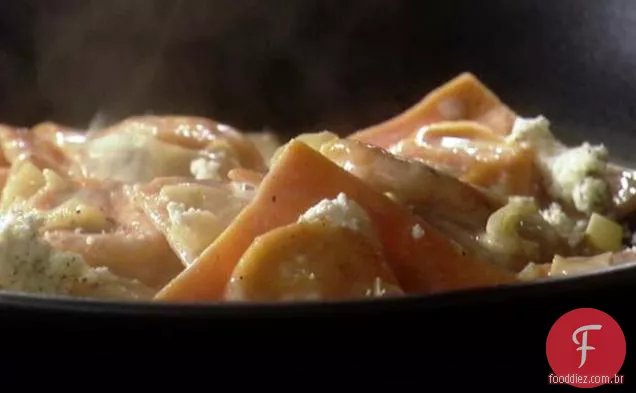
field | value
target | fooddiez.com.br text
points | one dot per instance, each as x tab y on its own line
554	379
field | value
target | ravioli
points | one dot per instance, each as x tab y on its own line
96	219
191	213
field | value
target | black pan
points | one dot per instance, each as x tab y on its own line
305	65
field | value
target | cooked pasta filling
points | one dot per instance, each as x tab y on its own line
458	191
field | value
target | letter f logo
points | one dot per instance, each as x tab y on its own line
584	347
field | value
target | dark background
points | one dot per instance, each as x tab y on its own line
298	66
302	65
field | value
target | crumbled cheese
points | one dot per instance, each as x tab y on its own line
556	217
566	227
180	215
417	232
535	131
591	195
28	264
340	211
204	168
573	175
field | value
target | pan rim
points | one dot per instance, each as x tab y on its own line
479	296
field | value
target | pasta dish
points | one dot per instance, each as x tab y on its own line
459	191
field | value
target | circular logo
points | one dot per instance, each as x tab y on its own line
585	348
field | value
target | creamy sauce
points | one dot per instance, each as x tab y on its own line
28	264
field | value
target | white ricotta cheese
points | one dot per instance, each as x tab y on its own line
576	175
340	211
566	227
591	195
417	232
533	130
178	213
28	264
204	168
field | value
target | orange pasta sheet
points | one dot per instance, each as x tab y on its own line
299	179
462	98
